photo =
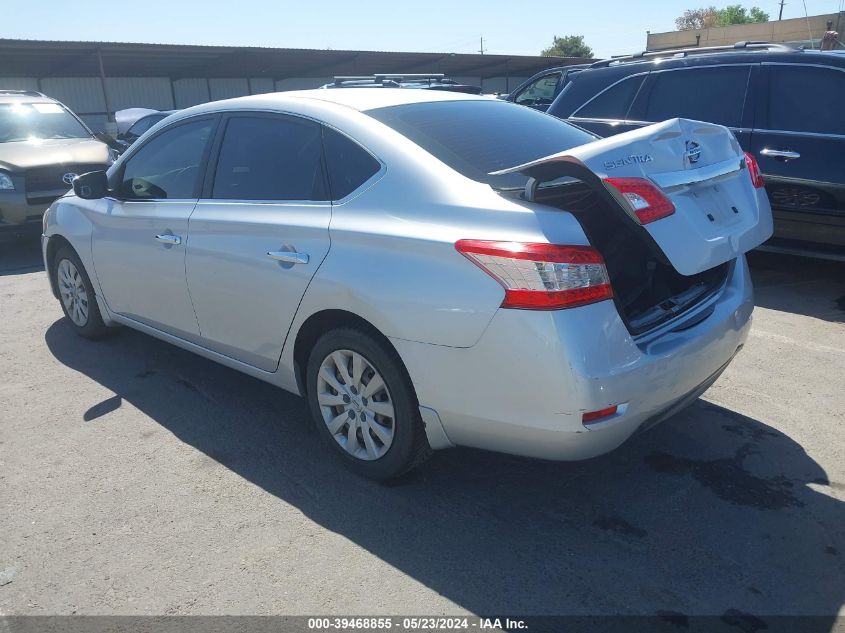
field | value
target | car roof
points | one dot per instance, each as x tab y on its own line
361	99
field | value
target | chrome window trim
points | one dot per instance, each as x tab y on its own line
842	70
794	133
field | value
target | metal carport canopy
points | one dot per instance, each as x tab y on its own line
35	58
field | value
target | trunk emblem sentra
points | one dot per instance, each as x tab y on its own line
628	160
693	152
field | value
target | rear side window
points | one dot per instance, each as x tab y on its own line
270	158
715	95
614	102
348	164
806	99
479	136
167	167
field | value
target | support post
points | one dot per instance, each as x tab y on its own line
111	124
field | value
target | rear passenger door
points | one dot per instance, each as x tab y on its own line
713	93
257	234
799	141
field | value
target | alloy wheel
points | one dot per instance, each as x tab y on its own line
73	293
356	405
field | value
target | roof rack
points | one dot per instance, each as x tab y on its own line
695	50
22	93
394	78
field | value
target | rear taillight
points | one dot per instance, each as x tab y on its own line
595	416
643	197
541	276
754	170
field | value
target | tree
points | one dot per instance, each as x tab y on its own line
568	46
693	19
737	14
703	18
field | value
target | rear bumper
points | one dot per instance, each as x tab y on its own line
523	388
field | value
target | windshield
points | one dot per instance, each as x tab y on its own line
31	121
479	137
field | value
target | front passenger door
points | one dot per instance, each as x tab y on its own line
140	231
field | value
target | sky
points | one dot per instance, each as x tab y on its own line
525	27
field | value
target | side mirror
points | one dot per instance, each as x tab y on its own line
91	186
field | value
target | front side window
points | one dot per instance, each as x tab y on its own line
481	136
348	164
270	158
714	94
614	102
35	121
539	92
167	167
806	99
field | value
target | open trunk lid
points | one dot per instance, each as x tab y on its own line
698	166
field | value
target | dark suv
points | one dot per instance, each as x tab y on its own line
785	105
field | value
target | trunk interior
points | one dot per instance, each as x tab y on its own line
647	289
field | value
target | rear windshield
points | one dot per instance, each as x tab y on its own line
30	121
478	137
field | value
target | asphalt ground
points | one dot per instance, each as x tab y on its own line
137	478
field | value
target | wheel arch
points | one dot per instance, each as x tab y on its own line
54	243
331	319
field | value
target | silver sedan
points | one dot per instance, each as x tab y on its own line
428	269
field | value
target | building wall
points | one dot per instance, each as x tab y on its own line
84	95
792	30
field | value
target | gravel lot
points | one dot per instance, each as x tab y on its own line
136	478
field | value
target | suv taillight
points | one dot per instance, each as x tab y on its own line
643	197
541	276
754	170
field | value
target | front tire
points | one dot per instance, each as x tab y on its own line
76	294
364	405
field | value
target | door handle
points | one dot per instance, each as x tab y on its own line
781	154
290	257
167	238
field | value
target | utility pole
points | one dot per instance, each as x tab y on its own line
780	14
481	50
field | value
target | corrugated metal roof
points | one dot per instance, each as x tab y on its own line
38	58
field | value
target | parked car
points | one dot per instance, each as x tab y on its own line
144	123
43	146
783	104
423	81
427	268
539	91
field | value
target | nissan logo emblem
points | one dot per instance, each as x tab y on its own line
68	178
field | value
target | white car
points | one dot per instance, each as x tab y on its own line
428	269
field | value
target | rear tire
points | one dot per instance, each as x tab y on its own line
364	405
76	294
